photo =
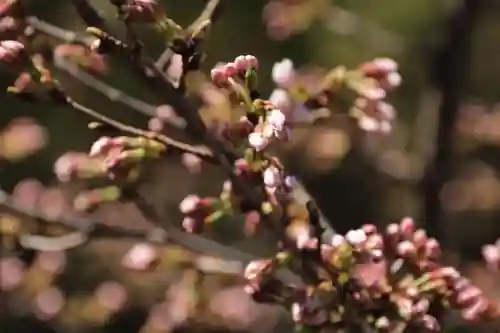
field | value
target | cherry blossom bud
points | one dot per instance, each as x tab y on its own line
190	224
356	237
281	100
406	248
140	257
432	249
258	141
369	229
143	11
189	204
386	64
393	230
192	162
276	119
419	238
491	254
11	51
230	69
290	181
272	177
407	226
394	80
253	62
218	75
337	240
241	166
99	146
283	73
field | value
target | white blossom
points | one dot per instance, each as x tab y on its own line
276	119
258	140
272	176
356	237
283	73
189	204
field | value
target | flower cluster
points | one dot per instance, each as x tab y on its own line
297	96
388	281
232	70
373	113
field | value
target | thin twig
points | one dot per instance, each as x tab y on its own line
210	13
175	145
89	80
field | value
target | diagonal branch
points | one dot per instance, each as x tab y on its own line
210	13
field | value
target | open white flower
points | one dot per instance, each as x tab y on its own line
189	204
258	140
276	119
283	73
272	177
356	237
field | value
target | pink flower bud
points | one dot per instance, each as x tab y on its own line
258	141
356	237
189	204
252	61
337	240
406	248
99	146
276	119
140	257
369	229
143	11
386	65
393	80
218	75
432	249
241	63
283	73
189	224
230	70
241	166
272	177
11	51
407	226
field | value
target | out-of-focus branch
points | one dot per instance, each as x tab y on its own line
87	229
89	14
89	80
451	66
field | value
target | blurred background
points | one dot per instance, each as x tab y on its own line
440	165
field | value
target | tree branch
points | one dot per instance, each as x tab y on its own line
88	229
210	13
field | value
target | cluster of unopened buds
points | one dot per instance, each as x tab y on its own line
238	68
199	211
114	158
372	112
389	280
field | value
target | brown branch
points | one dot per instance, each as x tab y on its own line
172	144
89	14
87	229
